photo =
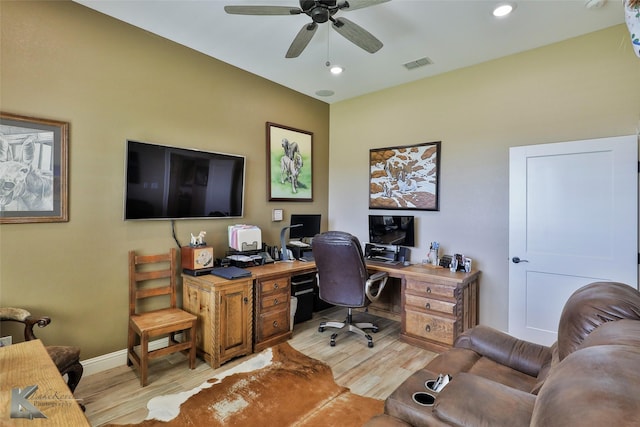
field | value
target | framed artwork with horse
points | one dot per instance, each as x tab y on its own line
33	169
289	164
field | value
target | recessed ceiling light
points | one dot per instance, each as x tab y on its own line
503	9
325	92
336	69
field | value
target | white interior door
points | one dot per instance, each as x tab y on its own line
573	220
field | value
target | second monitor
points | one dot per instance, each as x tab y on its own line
309	226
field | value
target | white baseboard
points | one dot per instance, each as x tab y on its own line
115	359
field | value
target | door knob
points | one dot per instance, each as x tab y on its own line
517	260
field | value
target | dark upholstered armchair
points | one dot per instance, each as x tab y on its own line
343	279
66	358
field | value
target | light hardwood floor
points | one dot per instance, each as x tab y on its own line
115	396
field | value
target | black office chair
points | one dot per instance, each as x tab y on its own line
344	281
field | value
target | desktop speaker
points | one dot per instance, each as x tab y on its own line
404	254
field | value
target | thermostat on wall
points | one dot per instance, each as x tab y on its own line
276	215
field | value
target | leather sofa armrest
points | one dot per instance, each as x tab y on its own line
517	354
471	400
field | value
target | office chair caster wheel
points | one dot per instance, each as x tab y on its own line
332	343
374	329
370	344
320	329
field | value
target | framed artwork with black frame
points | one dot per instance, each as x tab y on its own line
289	164
405	177
33	169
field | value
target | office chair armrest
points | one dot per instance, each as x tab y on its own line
375	284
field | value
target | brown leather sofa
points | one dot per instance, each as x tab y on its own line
589	377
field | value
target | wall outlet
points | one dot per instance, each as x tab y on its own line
5	341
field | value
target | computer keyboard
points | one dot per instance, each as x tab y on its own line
381	260
298	244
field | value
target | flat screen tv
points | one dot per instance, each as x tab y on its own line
395	230
164	182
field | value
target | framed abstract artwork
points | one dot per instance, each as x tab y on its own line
33	169
405	177
289	164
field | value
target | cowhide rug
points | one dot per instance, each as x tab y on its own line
278	387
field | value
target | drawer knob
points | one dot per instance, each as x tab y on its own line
428	290
275	301
276	286
427	328
428	306
275	324
246	300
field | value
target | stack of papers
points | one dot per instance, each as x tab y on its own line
244	237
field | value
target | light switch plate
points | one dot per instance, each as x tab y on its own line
276	215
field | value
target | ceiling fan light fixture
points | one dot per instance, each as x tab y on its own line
503	9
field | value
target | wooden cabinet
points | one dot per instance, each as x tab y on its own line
438	306
225	316
272	315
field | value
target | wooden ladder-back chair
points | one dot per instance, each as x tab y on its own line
154	277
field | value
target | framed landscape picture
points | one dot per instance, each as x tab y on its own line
33	169
405	177
289	164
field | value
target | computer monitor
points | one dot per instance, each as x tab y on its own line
310	226
392	230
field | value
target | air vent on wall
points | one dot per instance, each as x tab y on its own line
418	63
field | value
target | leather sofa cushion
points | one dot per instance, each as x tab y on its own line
595	386
457	360
590	307
469	400
625	332
524	356
400	403
384	420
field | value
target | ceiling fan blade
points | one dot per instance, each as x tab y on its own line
302	40
357	35
359	4
262	10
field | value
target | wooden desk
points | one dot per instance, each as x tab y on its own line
238	317
435	306
27	364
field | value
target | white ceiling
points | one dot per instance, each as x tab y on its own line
451	33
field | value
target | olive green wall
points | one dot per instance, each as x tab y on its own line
582	88
112	82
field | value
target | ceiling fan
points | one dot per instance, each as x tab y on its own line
320	11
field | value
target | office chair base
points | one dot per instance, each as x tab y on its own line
358	328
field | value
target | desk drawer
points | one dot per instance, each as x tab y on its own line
430	327
272	323
423	303
281	284
275	300
430	289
